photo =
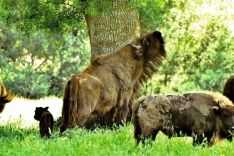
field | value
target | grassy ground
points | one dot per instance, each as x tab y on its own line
16	139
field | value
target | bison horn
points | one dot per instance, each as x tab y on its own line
220	107
135	46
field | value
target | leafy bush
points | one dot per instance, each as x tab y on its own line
39	65
199	43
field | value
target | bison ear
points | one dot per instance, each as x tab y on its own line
46	108
217	108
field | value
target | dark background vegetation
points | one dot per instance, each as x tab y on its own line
198	35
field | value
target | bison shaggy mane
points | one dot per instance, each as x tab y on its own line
111	81
204	116
228	89
5	97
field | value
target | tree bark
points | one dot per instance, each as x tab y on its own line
113	29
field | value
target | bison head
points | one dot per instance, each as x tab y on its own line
149	45
226	119
39	111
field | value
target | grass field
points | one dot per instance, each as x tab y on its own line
19	136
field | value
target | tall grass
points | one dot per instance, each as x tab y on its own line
26	141
18	139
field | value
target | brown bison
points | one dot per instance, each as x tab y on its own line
46	121
5	97
205	116
110	81
228	89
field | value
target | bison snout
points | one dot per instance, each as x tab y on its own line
232	128
231	131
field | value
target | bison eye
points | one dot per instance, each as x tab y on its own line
224	116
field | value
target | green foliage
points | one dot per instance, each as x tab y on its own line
198	36
63	15
32	15
39	65
27	141
199	43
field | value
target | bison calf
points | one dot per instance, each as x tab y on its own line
204	116
46	121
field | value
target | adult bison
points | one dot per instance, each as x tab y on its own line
5	97
109	82
228	89
204	116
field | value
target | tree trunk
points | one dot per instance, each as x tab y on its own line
114	29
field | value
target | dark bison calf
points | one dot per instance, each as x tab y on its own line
228	89
46	121
5	97
205	116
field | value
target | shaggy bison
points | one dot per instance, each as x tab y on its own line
110	81
205	116
228	89
46	121
5	97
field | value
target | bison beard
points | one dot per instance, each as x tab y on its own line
204	116
228	89
111	81
5	97
46	121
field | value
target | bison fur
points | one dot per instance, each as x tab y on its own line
228	89
5	97
46	121
205	116
108	84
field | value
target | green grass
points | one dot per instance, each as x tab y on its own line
17	141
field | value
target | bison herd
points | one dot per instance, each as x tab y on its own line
111	83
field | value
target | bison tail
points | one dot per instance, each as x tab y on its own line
73	108
65	108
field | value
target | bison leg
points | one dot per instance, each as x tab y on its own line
154	134
122	114
109	117
198	138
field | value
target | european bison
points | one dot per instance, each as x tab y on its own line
228	89
109	82
5	97
46	121
204	116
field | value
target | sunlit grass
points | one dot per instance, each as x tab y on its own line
120	142
18	139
